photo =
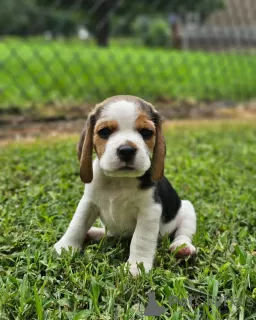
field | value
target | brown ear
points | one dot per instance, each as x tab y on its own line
157	165
85	150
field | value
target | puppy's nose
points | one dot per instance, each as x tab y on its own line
126	153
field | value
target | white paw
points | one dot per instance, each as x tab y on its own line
62	244
187	249
135	270
95	234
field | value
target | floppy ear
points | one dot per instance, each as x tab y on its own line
157	165
85	150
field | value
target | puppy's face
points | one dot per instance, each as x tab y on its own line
124	131
124	139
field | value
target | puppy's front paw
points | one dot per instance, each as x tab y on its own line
135	270
62	244
187	249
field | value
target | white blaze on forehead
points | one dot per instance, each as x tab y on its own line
124	112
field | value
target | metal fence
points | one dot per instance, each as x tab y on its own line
71	52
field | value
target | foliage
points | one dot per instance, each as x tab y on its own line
36	16
40	189
39	71
155	31
28	18
15	15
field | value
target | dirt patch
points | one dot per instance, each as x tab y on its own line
52	121
32	131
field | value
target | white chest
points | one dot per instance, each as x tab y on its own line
119	201
120	206
119	210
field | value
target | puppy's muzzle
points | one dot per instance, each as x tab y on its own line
126	153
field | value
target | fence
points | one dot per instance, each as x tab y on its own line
72	52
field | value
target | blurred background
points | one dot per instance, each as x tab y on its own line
191	58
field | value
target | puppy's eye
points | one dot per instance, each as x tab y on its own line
146	133
105	133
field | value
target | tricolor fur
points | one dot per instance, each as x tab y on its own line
125	184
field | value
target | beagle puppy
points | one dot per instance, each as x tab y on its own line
125	184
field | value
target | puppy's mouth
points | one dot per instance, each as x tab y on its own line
124	171
126	168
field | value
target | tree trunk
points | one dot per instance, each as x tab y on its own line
103	32
103	17
176	38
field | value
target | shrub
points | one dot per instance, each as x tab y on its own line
155	31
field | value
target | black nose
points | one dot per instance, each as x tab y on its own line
126	153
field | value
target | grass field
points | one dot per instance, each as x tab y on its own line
212	165
39	72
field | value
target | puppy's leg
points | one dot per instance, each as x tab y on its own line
144	239
95	233
84	217
184	226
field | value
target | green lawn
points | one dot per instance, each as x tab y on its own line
40	72
213	166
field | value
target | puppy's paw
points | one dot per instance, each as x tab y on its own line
186	248
62	244
95	234
135	270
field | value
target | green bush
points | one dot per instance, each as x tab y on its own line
158	33
155	32
27	17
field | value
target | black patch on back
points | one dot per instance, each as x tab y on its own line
164	194
168	197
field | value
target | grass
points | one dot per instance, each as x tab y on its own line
212	165
38	72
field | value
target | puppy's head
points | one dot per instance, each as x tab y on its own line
126	133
